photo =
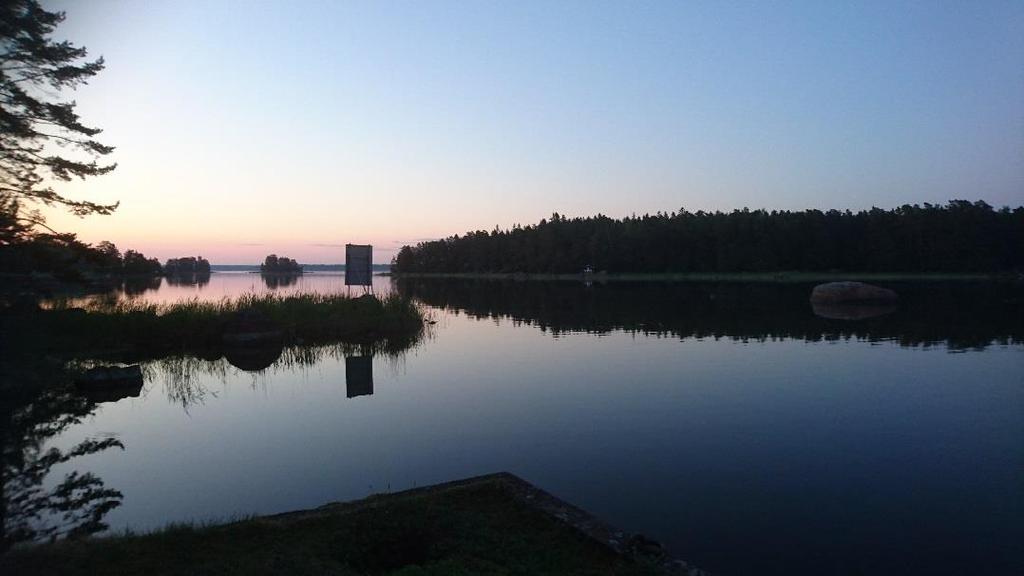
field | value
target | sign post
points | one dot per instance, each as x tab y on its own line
358	265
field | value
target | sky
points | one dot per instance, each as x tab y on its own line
246	128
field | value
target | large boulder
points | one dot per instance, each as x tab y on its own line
110	383
843	292
249	327
252	342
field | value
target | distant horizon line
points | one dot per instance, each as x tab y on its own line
257	265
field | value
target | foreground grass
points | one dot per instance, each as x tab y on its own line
479	528
138	329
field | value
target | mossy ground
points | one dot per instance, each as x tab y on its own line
478	528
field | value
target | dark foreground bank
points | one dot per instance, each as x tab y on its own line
496	524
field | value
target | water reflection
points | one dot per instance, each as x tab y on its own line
275	281
358	376
199	279
35	506
959	315
44	404
811	459
255	358
219	285
114	393
136	286
186	378
852	310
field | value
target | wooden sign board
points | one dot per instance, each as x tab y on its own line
358	264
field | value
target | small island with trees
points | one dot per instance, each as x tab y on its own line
280	271
274	264
187	266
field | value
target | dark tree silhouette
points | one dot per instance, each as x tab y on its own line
961	236
187	266
41	136
274	264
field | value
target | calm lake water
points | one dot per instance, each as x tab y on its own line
728	421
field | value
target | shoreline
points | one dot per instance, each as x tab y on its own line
496	520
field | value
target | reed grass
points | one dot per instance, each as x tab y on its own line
127	327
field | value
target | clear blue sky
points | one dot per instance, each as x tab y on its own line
248	127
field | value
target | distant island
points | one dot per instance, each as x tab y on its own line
54	263
960	237
274	264
306	268
188	266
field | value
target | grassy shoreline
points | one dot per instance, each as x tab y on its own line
715	277
139	330
497	524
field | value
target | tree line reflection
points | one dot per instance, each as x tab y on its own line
959	315
33	506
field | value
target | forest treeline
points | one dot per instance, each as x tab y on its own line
67	259
960	236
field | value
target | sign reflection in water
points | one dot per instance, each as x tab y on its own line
359	376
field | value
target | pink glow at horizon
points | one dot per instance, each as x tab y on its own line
252	253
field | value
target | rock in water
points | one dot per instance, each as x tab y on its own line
110	383
252	342
838	292
852	310
111	376
249	327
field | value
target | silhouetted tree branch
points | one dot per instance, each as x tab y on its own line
41	139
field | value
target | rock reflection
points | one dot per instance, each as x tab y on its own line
253	358
851	311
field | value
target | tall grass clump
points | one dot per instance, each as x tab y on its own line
143	329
